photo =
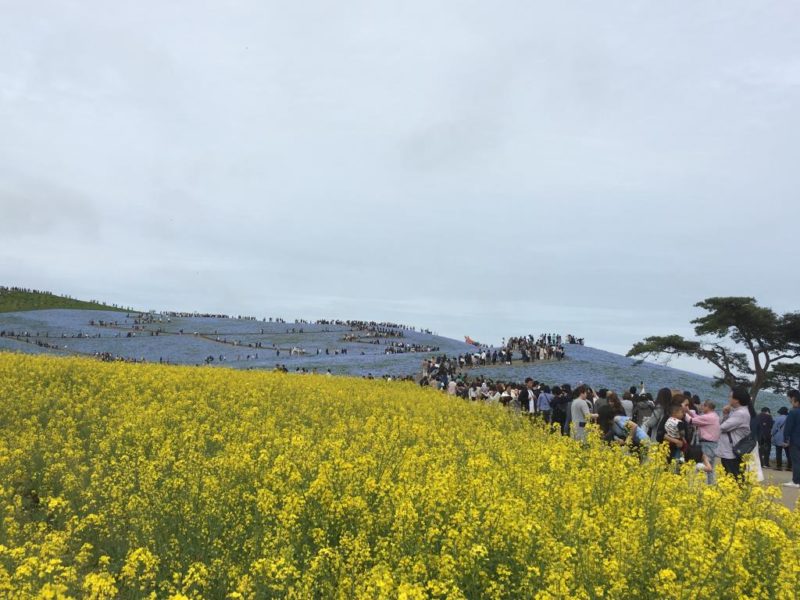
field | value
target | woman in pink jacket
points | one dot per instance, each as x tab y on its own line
707	426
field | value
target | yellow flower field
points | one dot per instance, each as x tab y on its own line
137	481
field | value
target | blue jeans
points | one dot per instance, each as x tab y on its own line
710	451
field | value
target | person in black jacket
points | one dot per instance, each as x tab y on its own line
765	423
527	400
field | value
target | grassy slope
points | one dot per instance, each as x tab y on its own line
15	300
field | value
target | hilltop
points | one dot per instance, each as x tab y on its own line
344	348
14	299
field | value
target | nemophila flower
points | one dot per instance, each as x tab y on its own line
136	481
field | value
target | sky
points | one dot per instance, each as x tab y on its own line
476	168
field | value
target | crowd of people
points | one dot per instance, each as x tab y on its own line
373	336
111	357
546	346
404	348
168	315
692	429
26	335
486	357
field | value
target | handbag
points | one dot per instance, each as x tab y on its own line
744	446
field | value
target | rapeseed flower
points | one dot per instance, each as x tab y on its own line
147	481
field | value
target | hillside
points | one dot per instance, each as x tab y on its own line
17	299
344	349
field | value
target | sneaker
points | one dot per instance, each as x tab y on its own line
791	484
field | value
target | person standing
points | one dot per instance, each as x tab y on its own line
527	399
734	426
451	387
627	403
765	424
600	399
673	433
655	423
791	438
643	408
581	414
544	403
560	405
778	440
707	427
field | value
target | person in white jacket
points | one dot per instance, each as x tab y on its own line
734	426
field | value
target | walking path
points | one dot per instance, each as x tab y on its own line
789	496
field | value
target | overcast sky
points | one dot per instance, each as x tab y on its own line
480	168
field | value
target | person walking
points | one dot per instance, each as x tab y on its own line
791	438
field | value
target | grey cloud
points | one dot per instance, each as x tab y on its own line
31	208
465	166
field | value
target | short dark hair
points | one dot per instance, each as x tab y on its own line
741	394
794	395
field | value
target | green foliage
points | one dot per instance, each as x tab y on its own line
669	344
784	377
748	343
737	317
16	299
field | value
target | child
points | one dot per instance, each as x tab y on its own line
672	433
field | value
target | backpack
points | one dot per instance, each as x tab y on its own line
642	410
